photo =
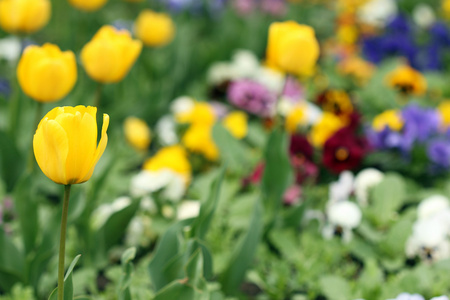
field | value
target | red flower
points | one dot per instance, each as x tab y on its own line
344	150
256	175
301	156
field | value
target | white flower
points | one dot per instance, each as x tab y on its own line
342	217
431	206
377	12
364	181
406	296
423	15
220	72
137	231
171	183
188	209
285	106
313	113
440	298
245	64
104	211
10	48
271	79
181	105
166	131
429	241
341	190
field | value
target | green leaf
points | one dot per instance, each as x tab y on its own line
243	253
68	282
27	210
12	262
335	287
123	288
11	161
277	173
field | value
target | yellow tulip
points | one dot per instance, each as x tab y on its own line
45	73
88	5
137	133
26	16
65	143
292	48
236	123
109	56
154	29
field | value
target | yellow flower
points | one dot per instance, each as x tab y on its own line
446	8
26	16
137	133
295	117
173	158
357	67
407	80
65	143
347	34
236	123
390	118
444	111
154	29
325	128
198	139
45	73
292	48
110	54
88	5
200	113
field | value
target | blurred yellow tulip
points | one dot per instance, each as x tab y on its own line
26	16
292	48
236	123
45	73
65	143
154	29
109	56
88	5
137	133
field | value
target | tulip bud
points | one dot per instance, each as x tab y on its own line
45	73
88	5
154	29
292	48
65	143
25	16
109	56
137	133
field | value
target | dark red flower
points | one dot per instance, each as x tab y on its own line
301	156
300	147
344	150
256	176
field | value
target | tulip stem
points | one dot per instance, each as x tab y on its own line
98	95
62	242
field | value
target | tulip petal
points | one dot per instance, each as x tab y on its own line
100	149
51	147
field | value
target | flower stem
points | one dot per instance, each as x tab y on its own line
98	95
62	242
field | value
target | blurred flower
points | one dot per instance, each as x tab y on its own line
293	89
88	5
256	175
337	102
292	195
446	8
121	24
172	184
357	67
110	54
295	118
5	88
377	12
326	127
252	97
188	209
245	64
420	123
182	105
10	48
391	119
154	29
273	80
274	7
438	152
406	296
65	143
432	206
341	189
347	34
407	81
344	151
198	113
364	182
137	133
444	112
25	16
138	232
236	123
45	73
292	48
423	15
166	131
342	218
244	7
104	211
198	139
173	158
301	157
